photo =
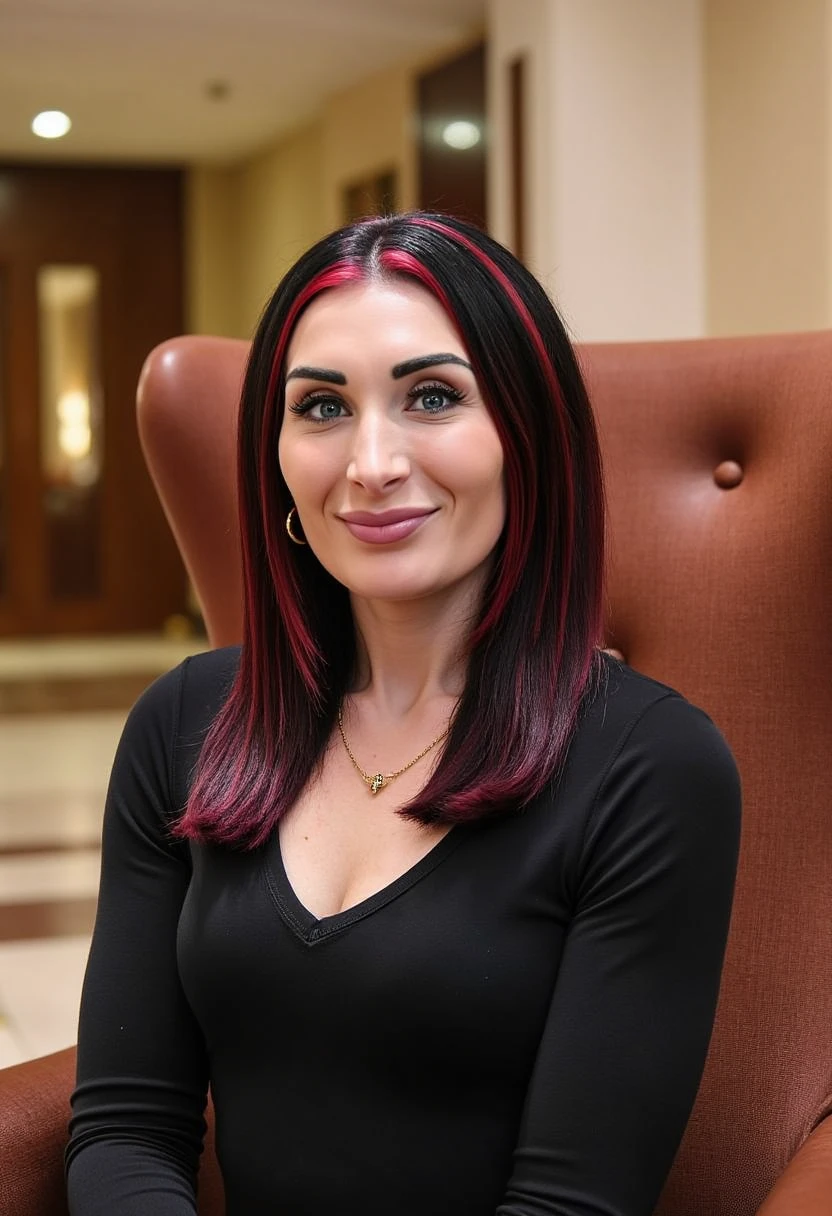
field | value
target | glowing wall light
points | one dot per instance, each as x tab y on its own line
74	430
461	135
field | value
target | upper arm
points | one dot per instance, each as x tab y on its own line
625	1041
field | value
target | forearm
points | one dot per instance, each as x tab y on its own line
126	1177
142	1077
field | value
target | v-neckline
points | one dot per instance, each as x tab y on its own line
310	928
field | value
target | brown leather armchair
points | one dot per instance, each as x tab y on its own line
719	469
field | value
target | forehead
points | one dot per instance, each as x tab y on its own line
389	317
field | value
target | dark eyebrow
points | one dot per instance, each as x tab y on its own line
418	365
317	373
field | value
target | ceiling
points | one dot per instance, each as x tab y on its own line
137	76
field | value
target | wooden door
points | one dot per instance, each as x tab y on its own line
90	281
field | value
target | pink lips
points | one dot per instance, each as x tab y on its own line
386	527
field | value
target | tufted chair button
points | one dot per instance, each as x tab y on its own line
728	475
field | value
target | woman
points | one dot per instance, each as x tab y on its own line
443	920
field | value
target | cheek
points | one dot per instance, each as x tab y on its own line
305	472
477	473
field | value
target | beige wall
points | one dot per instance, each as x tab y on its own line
627	181
211	252
769	263
248	223
615	135
679	169
681	161
519	28
281	214
367	130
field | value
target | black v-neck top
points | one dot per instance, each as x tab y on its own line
515	1027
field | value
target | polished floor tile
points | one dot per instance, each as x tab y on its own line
57	754
27	878
54	770
40	989
29	658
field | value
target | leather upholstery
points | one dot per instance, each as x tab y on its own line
34	1109
34	1113
724	593
718	456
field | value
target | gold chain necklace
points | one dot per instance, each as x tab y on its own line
377	781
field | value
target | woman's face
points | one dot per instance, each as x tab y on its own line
387	447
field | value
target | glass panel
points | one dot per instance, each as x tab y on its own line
71	439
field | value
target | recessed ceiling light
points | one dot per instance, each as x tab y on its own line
461	135
51	124
217	90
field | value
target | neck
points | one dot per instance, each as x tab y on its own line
411	653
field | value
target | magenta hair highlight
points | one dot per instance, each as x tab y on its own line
517	521
283	571
533	333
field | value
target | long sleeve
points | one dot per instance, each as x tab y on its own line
625	1041
137	1125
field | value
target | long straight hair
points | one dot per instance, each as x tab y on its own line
532	655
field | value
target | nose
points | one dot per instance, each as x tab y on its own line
379	461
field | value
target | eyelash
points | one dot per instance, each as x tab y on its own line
307	403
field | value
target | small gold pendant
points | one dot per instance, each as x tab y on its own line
377	783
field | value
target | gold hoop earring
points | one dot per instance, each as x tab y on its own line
292	537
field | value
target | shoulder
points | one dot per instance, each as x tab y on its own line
667	773
206	682
642	738
168	723
625	706
188	696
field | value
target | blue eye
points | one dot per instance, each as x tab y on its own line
328	409
435	398
318	408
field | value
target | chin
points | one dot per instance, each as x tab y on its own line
415	588
403	581
394	591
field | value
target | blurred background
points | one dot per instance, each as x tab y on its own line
662	165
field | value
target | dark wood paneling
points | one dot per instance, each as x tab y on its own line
58	918
517	119
452	180
128	224
374	195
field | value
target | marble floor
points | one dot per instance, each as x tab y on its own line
53	776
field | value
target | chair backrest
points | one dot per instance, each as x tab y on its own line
187	400
718	458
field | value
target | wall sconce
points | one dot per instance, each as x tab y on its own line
461	135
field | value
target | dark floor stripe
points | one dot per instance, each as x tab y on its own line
24	849
44	695
57	918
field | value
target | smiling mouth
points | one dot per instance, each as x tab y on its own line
385	527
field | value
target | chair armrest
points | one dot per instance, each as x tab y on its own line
34	1113
805	1186
34	1117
